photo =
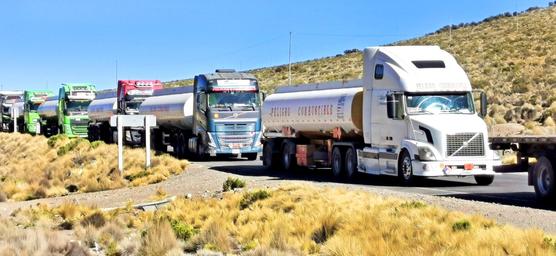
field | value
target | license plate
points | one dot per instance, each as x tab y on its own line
235	151
468	167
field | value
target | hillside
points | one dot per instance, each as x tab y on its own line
512	56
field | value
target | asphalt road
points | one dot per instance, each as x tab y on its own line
507	188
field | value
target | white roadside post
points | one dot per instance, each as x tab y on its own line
143	121
14	117
147	143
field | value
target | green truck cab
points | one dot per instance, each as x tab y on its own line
73	101
32	100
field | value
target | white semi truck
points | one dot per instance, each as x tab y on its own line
412	114
7	100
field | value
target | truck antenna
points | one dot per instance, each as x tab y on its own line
290	61
116	70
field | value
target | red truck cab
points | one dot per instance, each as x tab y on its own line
131	93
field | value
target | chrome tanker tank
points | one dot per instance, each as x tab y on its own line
315	109
103	107
47	110
173	107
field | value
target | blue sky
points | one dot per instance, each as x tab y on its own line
44	43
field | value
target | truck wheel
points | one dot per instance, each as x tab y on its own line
200	154
405	169
337	162
269	159
484	180
351	163
544	179
288	156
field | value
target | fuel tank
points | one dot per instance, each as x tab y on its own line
315	111
173	107
47	110
103	107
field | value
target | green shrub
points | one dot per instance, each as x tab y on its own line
52	141
252	197
233	183
97	143
414	205
183	230
71	145
461	225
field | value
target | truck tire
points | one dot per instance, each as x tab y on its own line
270	160
544	181
337	162
288	156
484	180
405	169
351	163
200	150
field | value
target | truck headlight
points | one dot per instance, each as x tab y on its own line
426	154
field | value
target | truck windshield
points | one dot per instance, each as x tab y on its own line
246	101
425	103
77	107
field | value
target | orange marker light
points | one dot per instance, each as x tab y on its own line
468	167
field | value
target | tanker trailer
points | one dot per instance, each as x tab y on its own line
48	117
99	111
219	115
411	115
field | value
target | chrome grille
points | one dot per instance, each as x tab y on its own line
237	139
79	127
474	147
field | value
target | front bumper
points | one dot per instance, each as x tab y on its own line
471	167
230	151
234	143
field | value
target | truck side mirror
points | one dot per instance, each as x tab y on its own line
483	104
263	95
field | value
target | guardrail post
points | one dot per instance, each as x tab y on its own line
147	143
14	117
120	145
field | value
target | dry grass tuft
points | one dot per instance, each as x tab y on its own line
36	167
159	239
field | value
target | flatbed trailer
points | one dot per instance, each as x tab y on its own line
543	148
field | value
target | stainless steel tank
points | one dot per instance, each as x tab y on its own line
314	110
103	106
47	110
173	107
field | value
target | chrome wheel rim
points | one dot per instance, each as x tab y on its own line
544	181
349	163
286	158
336	161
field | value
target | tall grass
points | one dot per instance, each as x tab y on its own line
34	167
296	221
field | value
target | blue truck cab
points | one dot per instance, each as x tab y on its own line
227	114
